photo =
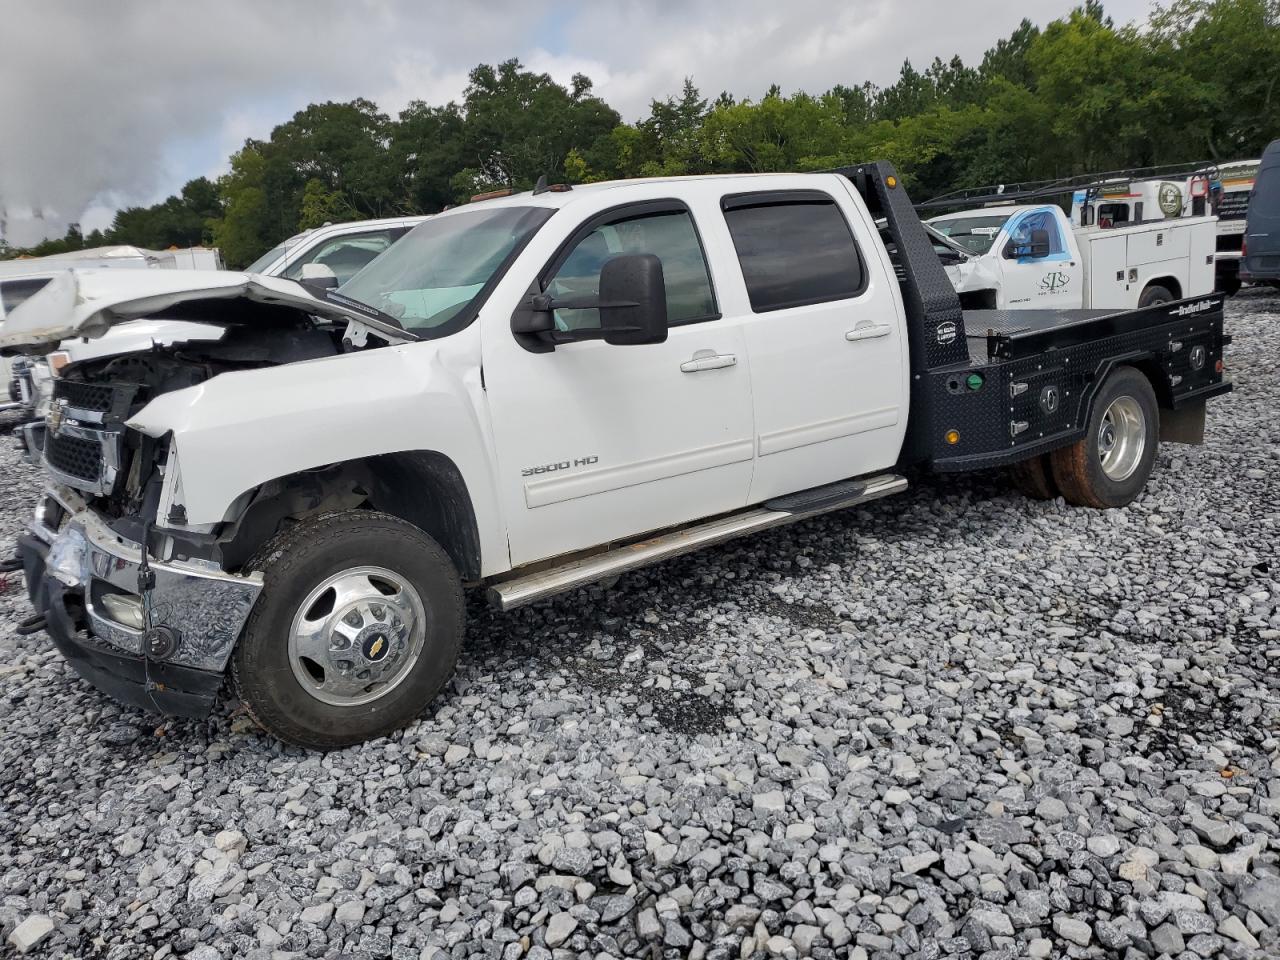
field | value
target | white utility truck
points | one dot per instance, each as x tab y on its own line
1030	256
528	394
1221	189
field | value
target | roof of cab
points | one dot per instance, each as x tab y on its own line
562	198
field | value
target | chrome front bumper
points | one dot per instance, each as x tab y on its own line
205	606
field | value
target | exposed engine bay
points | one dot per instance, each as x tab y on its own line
118	470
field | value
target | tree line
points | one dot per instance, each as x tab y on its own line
1198	80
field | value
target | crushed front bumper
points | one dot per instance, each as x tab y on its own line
72	559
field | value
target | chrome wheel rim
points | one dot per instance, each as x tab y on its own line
357	636
1122	438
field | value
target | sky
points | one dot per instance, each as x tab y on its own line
118	104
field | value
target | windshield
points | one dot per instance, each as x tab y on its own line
431	279
975	234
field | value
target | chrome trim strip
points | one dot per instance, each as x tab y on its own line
557	489
822	431
521	590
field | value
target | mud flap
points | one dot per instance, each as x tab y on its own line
1184	425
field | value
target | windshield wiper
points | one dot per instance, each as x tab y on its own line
371	315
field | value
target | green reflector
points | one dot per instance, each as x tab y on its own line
975	381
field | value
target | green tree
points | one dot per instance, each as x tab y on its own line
522	125
428	147
1110	96
320	205
1224	56
778	133
246	228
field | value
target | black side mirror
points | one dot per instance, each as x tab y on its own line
1039	243
1037	247
633	300
632	304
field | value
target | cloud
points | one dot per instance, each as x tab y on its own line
116	104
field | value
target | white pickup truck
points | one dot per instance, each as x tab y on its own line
1029	257
532	393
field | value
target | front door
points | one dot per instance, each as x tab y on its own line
597	442
1039	281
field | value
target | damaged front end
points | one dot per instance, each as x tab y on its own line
153	633
138	602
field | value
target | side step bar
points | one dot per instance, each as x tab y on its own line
521	590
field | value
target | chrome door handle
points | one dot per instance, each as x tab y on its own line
710	361
867	330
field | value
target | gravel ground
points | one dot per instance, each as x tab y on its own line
953	724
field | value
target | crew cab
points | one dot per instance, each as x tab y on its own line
532	393
1030	257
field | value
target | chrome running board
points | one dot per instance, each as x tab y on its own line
529	588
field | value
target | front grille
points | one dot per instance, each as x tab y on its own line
84	396
75	457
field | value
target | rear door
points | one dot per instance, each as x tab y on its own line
825	334
1054	280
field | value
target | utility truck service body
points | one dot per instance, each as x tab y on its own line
1030	257
532	393
1219	189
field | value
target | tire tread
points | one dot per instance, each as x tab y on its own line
291	547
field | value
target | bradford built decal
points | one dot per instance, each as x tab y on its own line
1191	309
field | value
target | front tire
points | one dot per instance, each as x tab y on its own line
1111	464
1153	295
356	631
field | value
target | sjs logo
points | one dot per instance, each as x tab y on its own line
558	466
946	333
1054	282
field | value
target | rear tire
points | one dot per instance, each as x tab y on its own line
1155	294
1111	464
1034	478
357	629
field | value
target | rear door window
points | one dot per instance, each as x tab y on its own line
795	248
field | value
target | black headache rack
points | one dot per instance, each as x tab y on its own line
992	387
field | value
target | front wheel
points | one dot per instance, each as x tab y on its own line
1153	295
357	629
1111	464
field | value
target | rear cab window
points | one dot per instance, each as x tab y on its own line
795	248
